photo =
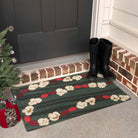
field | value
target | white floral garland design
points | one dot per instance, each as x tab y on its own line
59	91
43	84
28	110
80	105
56	115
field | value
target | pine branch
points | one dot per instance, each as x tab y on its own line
8	72
3	33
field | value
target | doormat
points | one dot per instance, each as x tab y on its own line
53	101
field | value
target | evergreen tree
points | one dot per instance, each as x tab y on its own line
8	71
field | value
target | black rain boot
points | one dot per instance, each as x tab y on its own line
94	45
105	50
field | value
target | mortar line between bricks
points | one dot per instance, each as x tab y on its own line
46	72
126	54
75	67
38	75
30	77
81	65
54	70
61	70
118	51
68	68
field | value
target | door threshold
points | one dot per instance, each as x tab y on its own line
53	61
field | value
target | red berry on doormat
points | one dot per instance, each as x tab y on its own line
77	86
44	95
25	90
84	86
65	112
84	75
59	79
52	81
98	97
109	82
20	94
72	109
27	119
106	97
33	123
52	93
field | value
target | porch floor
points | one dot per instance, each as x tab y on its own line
119	121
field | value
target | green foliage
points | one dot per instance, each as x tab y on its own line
8	71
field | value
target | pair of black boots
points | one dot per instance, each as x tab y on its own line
100	52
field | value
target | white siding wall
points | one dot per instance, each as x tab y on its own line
124	24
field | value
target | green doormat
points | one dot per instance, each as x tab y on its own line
56	100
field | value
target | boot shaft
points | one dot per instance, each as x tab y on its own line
94	49
105	50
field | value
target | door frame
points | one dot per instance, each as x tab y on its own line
98	17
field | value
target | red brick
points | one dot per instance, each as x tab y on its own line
79	66
85	65
130	85
25	78
127	58
64	69
125	73
132	64
42	73
113	64
71	68
119	62
115	51
57	70
121	54
135	81
50	72
135	59
128	68
34	76
118	77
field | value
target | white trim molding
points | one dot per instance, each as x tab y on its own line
124	28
